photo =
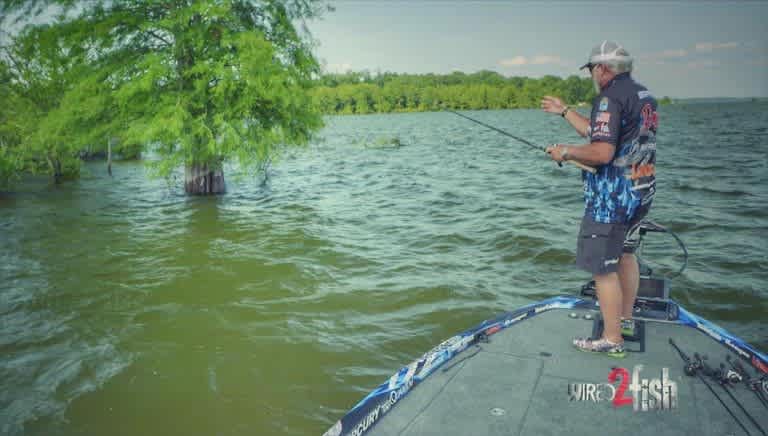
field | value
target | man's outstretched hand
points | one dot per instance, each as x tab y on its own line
552	105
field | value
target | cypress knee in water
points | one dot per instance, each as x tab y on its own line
204	179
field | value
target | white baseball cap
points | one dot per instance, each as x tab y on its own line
607	51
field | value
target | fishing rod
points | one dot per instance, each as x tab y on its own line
692	368
528	143
753	385
721	379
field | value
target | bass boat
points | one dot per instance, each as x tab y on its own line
519	374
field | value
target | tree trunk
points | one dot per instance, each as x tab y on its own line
55	165
109	156
204	179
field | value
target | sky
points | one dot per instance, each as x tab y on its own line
681	49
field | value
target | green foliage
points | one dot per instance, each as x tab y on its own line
9	166
194	82
200	83
37	69
9	131
361	92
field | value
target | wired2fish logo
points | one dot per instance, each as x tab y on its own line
642	394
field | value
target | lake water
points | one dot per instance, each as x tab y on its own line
127	308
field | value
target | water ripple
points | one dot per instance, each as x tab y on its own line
275	307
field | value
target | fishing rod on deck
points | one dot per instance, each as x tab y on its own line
528	143
721	378
754	384
694	368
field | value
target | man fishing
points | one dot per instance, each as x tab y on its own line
622	146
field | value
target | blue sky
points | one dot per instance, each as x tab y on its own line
681	49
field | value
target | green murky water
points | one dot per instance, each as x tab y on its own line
127	308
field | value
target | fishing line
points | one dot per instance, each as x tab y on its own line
524	141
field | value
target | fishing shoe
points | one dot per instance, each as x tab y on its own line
627	327
599	346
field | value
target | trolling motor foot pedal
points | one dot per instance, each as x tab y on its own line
634	343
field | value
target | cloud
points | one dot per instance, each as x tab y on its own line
679	53
710	46
518	61
699	47
514	62
545	59
666	54
692	58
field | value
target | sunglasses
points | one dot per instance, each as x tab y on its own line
591	67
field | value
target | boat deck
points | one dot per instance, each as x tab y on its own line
517	383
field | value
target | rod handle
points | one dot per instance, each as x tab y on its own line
582	166
586	168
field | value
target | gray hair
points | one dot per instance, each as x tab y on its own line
618	67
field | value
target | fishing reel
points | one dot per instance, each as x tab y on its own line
764	385
706	369
755	384
691	368
730	375
721	374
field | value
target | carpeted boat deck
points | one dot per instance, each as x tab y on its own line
528	379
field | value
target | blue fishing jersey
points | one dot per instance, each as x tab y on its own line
624	115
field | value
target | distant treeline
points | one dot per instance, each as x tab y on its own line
363	92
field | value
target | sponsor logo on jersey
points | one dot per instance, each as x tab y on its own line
603	104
